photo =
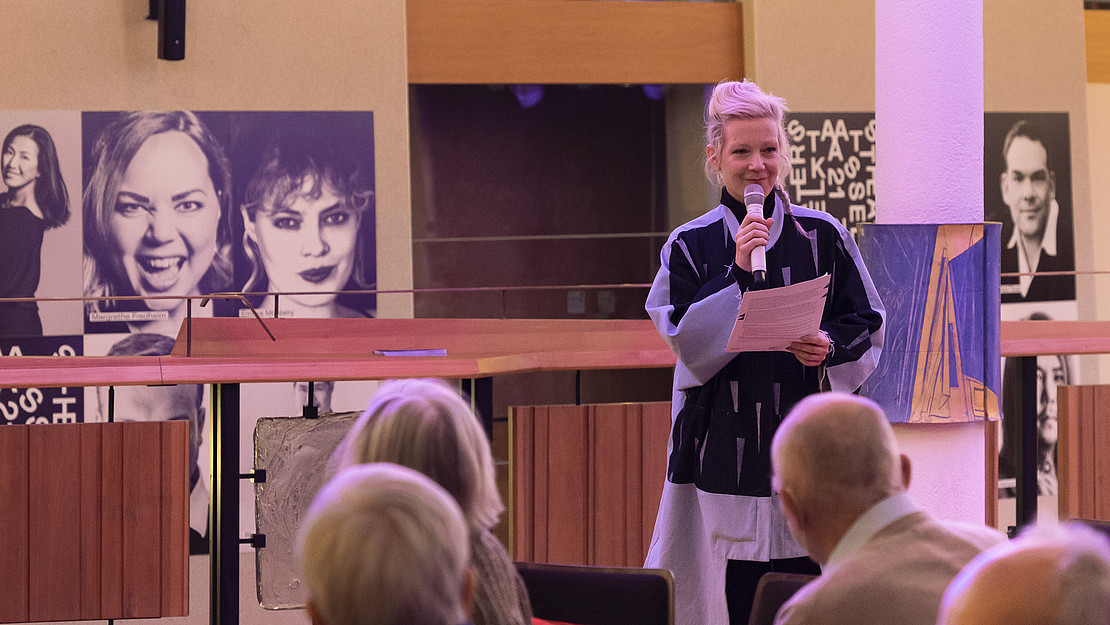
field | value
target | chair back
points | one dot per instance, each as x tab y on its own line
773	590
1103	527
596	595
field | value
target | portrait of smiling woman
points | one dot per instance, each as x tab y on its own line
303	229
35	200
155	208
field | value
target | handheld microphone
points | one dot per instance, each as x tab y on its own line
753	200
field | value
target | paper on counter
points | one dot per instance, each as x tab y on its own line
411	352
772	319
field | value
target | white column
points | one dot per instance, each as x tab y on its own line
929	170
929	111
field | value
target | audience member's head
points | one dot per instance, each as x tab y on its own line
426	425
384	545
1049	575
834	456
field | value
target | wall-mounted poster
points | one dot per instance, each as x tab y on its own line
152	206
1052	370
40	223
189	203
1027	180
41	405
833	155
1027	183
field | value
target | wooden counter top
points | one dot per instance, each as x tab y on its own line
239	350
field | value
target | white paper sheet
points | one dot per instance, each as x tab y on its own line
772	319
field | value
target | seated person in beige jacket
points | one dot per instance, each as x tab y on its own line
842	482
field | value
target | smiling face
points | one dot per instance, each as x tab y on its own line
20	162
1027	186
307	243
164	221
748	154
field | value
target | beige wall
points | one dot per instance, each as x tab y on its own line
1098	137
241	55
820	56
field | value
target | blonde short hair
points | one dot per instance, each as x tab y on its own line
733	100
426	425
385	545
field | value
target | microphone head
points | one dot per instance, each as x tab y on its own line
753	194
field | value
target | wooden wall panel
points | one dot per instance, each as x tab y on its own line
990	473
567	486
539	485
111	519
1097	25
1083	451
654	437
175	519
573	41
14	590
91	528
586	481
96	521
634	481
141	522
607	450
54	573
521	477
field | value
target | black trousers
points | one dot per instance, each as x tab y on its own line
741	577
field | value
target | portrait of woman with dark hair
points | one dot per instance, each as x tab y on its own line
156	208
303	213
1052	370
35	200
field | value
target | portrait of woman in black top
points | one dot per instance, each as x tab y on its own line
34	201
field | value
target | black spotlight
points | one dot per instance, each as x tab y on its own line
171	29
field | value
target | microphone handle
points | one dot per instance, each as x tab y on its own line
759	254
759	279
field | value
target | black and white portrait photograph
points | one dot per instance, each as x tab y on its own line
1052	370
305	207
157	195
1027	171
40	223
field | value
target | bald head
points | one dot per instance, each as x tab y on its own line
834	456
1047	576
837	447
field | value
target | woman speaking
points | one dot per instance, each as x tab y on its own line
720	527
